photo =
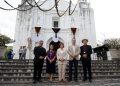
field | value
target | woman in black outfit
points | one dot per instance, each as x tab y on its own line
51	61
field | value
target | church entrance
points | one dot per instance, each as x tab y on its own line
55	45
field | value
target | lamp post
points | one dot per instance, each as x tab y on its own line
73	29
56	30
37	29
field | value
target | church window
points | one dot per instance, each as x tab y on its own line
55	24
55	21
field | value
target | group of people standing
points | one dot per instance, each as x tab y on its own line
60	56
22	52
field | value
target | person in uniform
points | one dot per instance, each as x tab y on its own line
39	53
86	51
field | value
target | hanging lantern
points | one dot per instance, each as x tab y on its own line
37	29
56	30
73	30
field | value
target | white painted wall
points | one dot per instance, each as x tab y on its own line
26	21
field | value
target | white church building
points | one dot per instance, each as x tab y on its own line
26	22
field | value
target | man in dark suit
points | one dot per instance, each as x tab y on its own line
40	54
86	51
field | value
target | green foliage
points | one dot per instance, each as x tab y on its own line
6	53
113	43
2	51
4	40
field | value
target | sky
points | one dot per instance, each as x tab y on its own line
107	18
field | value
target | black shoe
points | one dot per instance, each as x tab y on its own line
69	80
90	80
76	80
40	80
84	80
34	82
50	81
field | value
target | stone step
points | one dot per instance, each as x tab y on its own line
101	63
44	74
31	61
7	64
80	65
30	79
44	68
19	83
26	76
44	71
54	76
31	65
22	71
94	65
96	82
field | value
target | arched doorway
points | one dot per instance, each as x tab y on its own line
55	44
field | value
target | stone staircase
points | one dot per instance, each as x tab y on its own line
21	71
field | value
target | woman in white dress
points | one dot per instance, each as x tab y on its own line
62	61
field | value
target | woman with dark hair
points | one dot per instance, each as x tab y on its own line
51	61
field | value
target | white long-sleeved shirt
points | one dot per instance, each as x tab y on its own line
62	54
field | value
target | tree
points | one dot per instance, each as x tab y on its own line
5	40
113	43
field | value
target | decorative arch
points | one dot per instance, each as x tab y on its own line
50	40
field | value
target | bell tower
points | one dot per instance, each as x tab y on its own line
84	4
87	25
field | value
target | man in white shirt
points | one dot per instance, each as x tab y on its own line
73	52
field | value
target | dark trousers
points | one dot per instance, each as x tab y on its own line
38	65
24	56
71	63
20	55
87	68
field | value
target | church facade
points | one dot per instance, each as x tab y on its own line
34	25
